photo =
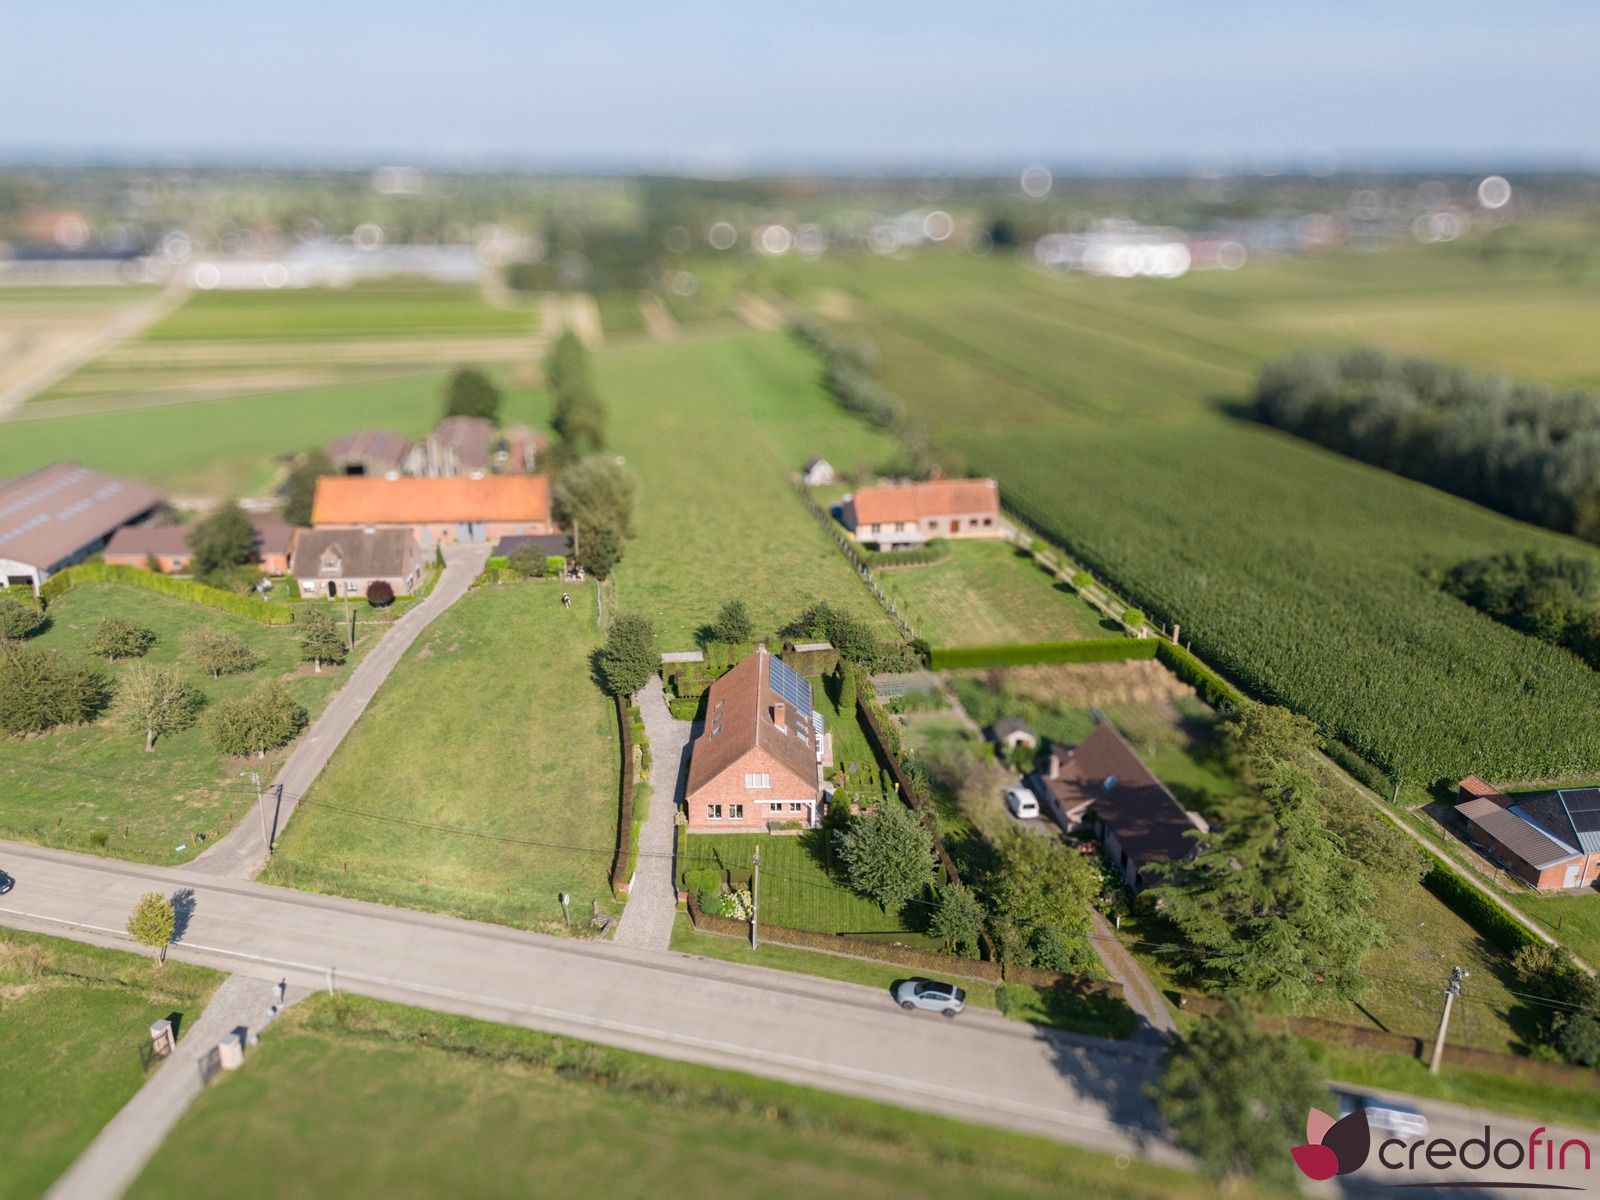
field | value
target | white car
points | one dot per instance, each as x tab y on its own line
1022	803
932	995
1386	1116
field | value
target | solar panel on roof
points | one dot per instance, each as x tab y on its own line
790	687
1582	800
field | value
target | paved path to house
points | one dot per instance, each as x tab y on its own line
110	1163
653	904
1156	1025
243	852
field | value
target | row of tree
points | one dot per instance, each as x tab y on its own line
1555	598
1523	449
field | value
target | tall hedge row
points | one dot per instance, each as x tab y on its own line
1213	688
1477	910
252	608
1085	650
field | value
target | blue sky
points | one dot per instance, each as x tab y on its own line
729	84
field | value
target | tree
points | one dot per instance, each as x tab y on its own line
629	657
223	540
300	488
118	637
155	701
600	552
1237	1100
598	493
887	853
267	718
1579	1040
845	673
214	649
153	922
380	593
471	393
530	561
733	623
40	689
320	639
958	921
578	418
1262	739
849	635
19	620
1043	890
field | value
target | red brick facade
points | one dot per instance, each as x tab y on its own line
712	807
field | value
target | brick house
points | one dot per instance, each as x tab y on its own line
168	546
757	762
439	510
905	515
1551	841
345	562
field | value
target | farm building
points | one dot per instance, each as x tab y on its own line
1137	821
517	449
1010	732
757	762
554	545
167	546
60	515
457	446
819	472
1551	841
439	510
371	453
905	515
345	562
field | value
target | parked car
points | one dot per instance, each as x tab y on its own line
1386	1116
1022	803
932	995
6	883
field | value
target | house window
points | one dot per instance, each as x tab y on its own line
796	806
735	812
757	779
329	564
987	521
713	812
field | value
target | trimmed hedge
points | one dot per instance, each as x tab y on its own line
1477	910
932	552
1213	688
1084	650
252	608
622	866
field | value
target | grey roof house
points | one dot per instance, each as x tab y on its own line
345	561
60	515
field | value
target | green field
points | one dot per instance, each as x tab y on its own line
231	446
1099	404
346	1096
714	428
72	1019
93	787
489	725
986	593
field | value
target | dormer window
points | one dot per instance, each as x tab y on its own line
330	564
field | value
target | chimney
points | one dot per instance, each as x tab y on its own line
780	715
1055	764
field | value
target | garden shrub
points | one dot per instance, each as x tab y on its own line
380	593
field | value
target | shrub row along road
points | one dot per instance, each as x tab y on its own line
243	852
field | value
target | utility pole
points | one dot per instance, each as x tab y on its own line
1451	991
261	809
755	902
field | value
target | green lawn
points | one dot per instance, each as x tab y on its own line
385	309
713	428
93	787
985	593
482	779
232	446
619	313
347	1096
72	1019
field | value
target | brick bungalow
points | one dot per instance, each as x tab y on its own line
904	515
1551	841
345	562
168	545
1137	821
439	510
757	761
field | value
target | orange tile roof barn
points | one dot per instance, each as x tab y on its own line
935	498
354	500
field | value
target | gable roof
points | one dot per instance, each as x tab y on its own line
1519	835
1479	789
1009	725
273	536
934	498
363	553
467	440
52	513
739	719
375	447
1132	803
363	500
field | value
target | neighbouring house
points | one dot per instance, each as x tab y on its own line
1136	819
439	510
345	561
819	472
517	449
371	452
901	516
457	446
1010	732
1552	841
167	546
62	514
758	760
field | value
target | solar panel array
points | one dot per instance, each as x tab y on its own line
1583	805
791	687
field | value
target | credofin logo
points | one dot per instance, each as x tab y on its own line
1333	1147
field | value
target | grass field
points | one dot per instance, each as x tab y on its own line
713	428
93	787
489	725
348	1095
986	593
72	1018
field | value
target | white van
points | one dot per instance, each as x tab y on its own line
1022	803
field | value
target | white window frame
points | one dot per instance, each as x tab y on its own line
758	781
713	812
735	812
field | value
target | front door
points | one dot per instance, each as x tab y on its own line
1574	875
955	526
333	590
